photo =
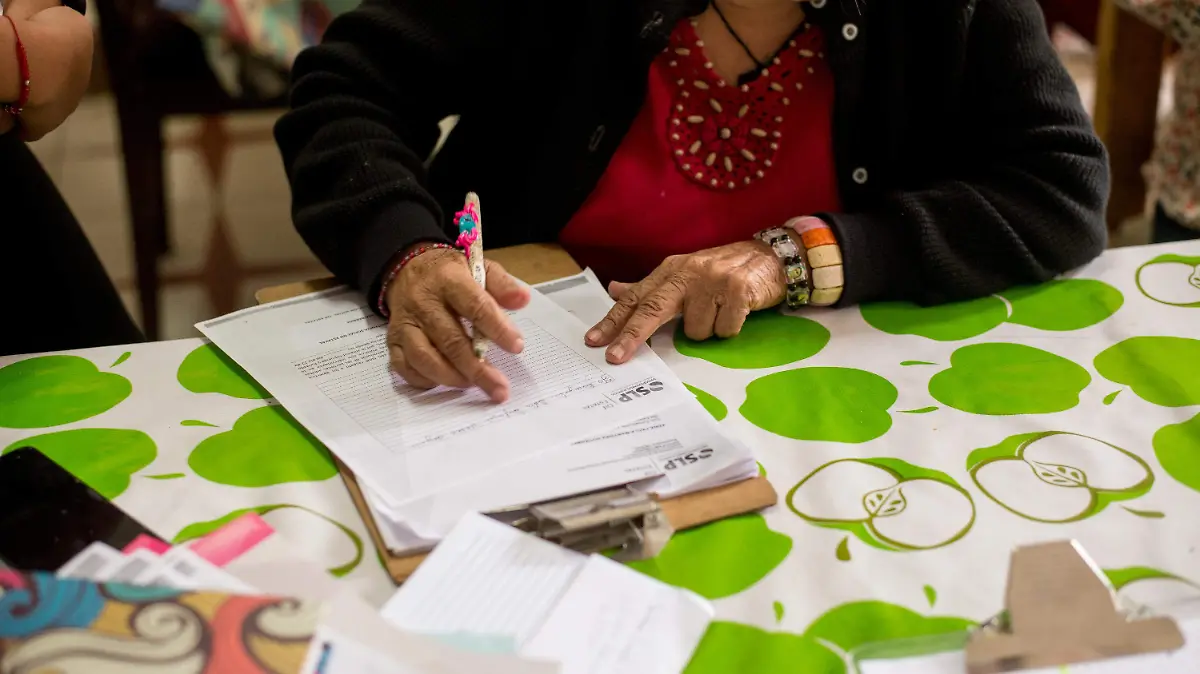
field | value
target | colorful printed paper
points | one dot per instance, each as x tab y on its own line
50	624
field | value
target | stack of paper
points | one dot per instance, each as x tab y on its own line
573	424
489	587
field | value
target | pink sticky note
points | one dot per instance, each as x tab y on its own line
148	543
232	540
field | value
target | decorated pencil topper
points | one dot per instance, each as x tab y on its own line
468	225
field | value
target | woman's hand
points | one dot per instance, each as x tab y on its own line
426	339
714	289
58	44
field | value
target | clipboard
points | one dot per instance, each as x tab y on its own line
533	264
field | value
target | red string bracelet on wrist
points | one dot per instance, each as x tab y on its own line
15	109
381	301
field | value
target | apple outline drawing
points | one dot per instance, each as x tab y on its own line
1014	448
883	502
1191	280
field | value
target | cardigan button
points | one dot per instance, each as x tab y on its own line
849	31
597	136
817	4
859	176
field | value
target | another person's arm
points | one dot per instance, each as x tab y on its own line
58	44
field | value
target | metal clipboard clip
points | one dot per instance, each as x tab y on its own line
1061	612
620	519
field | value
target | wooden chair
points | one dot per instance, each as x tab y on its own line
1129	65
157	68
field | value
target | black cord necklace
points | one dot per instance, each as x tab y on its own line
746	48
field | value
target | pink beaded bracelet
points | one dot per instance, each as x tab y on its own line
824	259
381	302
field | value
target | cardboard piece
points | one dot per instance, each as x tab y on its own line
1061	612
538	263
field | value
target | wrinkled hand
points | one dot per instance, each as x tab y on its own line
427	342
714	289
58	43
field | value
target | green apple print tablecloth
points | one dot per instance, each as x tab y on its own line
912	449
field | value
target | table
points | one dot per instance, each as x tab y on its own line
912	449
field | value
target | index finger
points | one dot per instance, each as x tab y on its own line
660	306
478	306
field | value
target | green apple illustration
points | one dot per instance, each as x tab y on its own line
719	559
1058	477
732	647
1160	370
208	370
1005	379
199	529
103	458
856	625
1178	450
1171	279
47	391
768	339
710	402
1060	305
825	647
886	503
942	323
265	447
1063	305
1130	575
838	404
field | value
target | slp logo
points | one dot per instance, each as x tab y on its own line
687	459
639	391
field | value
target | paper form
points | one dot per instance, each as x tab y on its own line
485	579
324	356
613	619
591	614
1183	661
683	444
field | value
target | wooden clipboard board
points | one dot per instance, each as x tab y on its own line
538	263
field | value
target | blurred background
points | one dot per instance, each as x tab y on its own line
170	166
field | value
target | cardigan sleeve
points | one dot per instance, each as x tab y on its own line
365	108
1024	198
1179	18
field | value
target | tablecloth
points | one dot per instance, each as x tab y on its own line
913	448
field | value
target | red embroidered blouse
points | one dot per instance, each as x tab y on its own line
708	162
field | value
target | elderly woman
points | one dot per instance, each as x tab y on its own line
711	158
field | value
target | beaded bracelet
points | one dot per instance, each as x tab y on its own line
824	259
799	285
381	301
16	108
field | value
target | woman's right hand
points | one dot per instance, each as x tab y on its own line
426	340
58	42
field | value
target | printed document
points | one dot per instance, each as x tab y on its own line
324	356
488	583
678	450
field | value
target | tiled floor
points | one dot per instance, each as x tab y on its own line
230	228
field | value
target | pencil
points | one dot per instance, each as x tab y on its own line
470	237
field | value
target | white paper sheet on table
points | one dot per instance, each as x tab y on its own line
490	582
324	357
678	450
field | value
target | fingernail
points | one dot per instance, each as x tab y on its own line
617	352
593	336
520	344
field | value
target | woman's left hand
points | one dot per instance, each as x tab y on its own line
714	289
